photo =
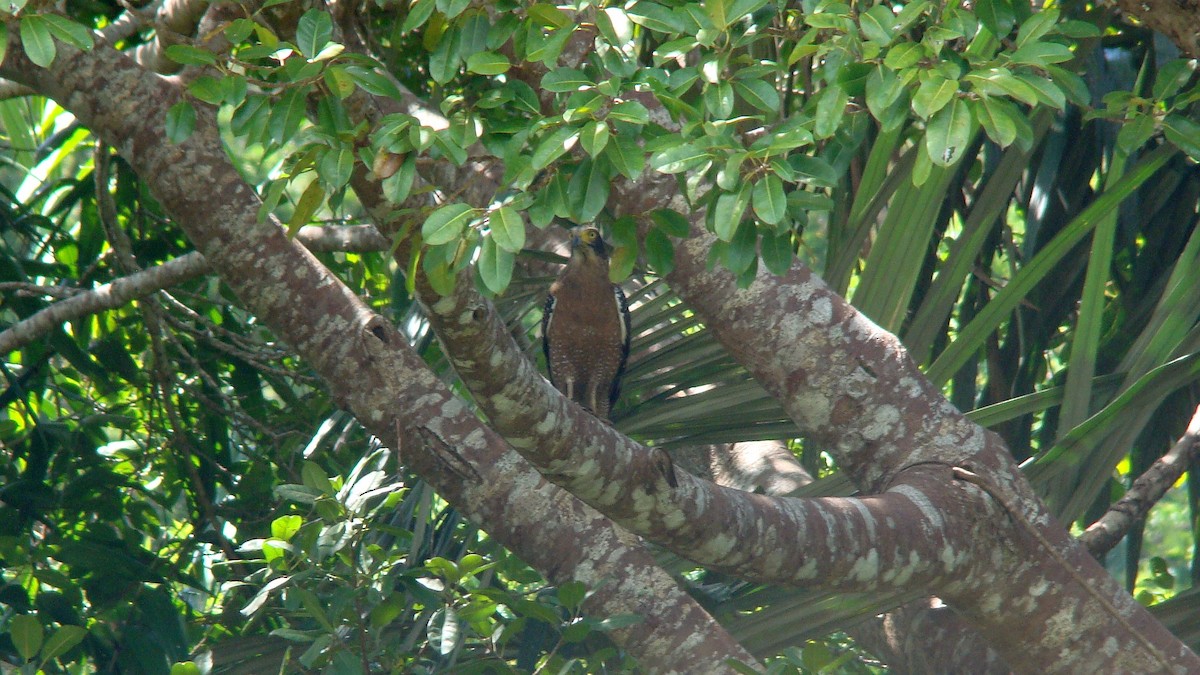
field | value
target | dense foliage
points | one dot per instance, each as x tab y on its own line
1011	190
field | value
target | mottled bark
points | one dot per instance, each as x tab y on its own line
1179	20
855	544
367	364
1035	594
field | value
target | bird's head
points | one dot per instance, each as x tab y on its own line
588	243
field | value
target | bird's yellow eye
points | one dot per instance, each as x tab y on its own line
589	235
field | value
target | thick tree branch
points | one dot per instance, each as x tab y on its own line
368	365
870	542
852	387
1179	20
1145	492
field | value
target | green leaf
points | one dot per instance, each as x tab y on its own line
181	121
237	31
770	203
336	165
61	641
935	92
553	146
37	41
374	82
588	190
671	222
1047	91
831	107
655	17
883	88
313	32
949	132
626	156
814	171
878	24
185	668
566	80
1171	76
1071	84
189	55
1001	82
508	229
1042	53
397	186
26	634
447	223
1135	132
777	252
853	78
594	137
621	263
310	200
630	111
444	60
1184	134
904	55
418	14
75	34
488	63
571	594
495	266
614	25
997	15
1037	26
759	94
207	89
718	100
549	15
803	200
996	116
475	27
284	528
660	252
727	213
286	115
740	253
678	158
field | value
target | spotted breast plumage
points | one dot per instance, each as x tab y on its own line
585	327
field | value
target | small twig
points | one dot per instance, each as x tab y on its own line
26	289
1145	492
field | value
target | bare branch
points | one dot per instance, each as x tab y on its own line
104	297
358	238
1145	492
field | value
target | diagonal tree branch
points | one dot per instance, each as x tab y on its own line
139	284
369	367
1146	491
852	387
633	484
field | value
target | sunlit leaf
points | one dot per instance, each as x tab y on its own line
37	41
181	121
508	229
949	132
495	266
446	223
